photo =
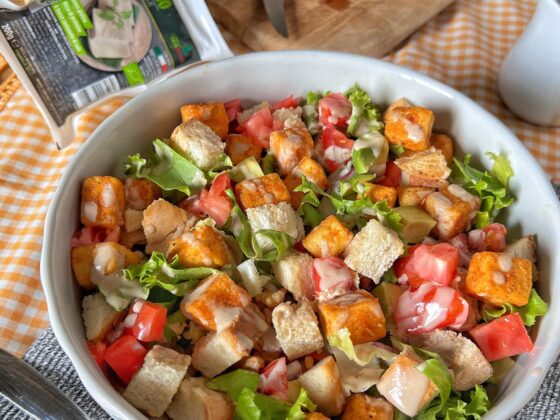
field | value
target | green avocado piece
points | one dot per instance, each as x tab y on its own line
417	224
388	294
246	169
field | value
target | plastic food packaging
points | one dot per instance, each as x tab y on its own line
71	55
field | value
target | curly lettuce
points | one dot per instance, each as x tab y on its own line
310	114
529	313
365	116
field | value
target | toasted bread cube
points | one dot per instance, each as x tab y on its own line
152	388
411	127
362	406
98	316
115	257
216	352
240	147
322	383
329	239
140	193
427	168
413	196
402	378
297	329
359	312
525	247
136	237
312	170
280	217
289	146
381	193
252	323
445	145
216	303
373	250
198	143
162	222
203	246
213	114
498	278
102	202
268	189
195	401
132	220
294	272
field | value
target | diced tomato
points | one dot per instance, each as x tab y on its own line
392	175
430	307
436	263
98	350
503	337
125	356
461	242
330	274
491	238
215	202
146	321
334	110
258	126
233	107
337	148
89	235
289	102
299	247
192	205
274	379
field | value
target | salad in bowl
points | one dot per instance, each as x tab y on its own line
308	258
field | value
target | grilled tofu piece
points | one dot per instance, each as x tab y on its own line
140	193
240	147
269	189
362	406
413	196
329	239
289	146
312	170
427	168
102	202
213	114
411	127
444	144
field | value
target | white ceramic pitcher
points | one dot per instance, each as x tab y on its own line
529	80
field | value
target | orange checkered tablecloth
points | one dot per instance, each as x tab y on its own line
463	47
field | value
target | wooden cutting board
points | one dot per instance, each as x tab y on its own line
371	27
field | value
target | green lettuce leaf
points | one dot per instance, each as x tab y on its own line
535	307
396	149
362	159
120	291
281	242
471	404
224	162
386	215
436	370
166	168
491	188
234	382
365	117
303	401
361	354
268	164
310	114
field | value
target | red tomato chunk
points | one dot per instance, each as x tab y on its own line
274	379
125	356
331	274
146	321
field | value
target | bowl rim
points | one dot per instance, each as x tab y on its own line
83	368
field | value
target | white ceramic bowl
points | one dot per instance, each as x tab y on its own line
255	77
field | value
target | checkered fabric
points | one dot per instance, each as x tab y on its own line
462	47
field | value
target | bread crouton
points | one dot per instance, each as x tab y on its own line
280	217
140	193
469	365
194	401
198	143
289	146
132	220
322	383
499	278
98	316
202	246
216	303
427	168
413	196
162	222
362	406
381	193
402	378
373	250
297	329
157	381
252	323
293	272
269	189
359	312
213	114
216	352
102	202
444	144
411	127
525	247
312	170
239	147
329	239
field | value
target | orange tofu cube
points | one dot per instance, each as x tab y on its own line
203	246
289	146
328	239
239	147
444	144
413	196
268	189
411	127
381	193
499	278
102	202
140	193
359	312
362	406
312	170
213	114
216	303
316	416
